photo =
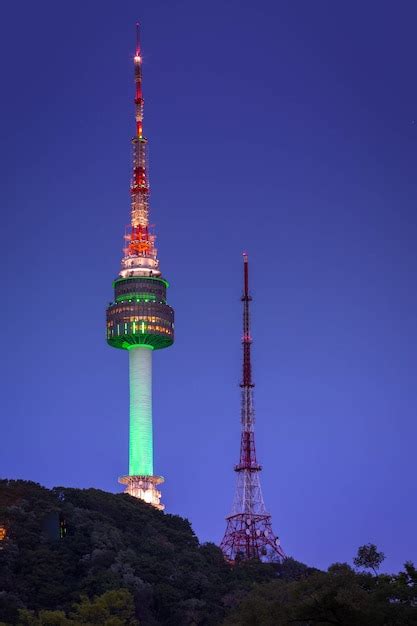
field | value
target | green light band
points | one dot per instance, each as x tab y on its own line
129	340
139	297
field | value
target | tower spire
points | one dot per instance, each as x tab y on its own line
246	340
247	443
249	531
137	39
140	254
138	85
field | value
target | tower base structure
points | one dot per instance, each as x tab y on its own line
251	537
144	488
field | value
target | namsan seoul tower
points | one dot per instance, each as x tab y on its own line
249	533
140	320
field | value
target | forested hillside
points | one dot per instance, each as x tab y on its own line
71	556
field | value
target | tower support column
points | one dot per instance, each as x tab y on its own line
140	428
141	483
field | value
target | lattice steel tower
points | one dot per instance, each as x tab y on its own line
249	533
139	320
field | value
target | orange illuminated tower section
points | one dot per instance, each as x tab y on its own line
139	319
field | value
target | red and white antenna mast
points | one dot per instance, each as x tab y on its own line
249	533
140	255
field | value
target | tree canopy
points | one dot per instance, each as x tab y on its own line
368	557
73	556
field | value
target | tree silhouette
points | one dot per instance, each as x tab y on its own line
368	557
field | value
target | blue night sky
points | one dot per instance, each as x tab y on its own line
286	129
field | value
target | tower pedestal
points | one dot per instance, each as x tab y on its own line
144	488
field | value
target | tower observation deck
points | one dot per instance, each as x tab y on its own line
139	319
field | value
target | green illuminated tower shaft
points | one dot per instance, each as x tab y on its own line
140	432
139	319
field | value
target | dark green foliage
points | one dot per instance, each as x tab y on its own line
123	562
116	607
113	542
113	608
368	557
9	607
339	596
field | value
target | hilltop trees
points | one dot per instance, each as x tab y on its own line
113	608
112	542
339	596
85	557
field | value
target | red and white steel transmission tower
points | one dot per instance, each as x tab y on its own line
249	533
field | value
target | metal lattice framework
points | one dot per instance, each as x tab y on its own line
249	533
